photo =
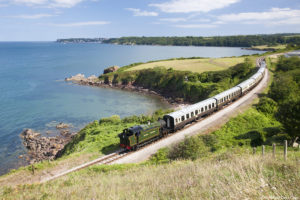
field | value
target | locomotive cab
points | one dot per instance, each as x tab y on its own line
124	138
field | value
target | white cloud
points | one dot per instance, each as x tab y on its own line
37	16
174	20
187	6
30	2
48	3
138	12
77	24
275	16
65	3
196	26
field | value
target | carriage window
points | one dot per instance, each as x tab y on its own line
196	112
205	108
202	109
187	116
182	118
192	114
209	106
176	120
213	104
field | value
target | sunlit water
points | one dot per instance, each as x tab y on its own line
34	95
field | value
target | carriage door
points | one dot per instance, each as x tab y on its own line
168	122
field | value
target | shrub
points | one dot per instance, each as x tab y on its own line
258	138
267	106
191	148
131	119
210	141
114	119
161	156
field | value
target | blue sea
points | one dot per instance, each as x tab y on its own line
33	93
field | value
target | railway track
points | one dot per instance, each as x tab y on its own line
100	161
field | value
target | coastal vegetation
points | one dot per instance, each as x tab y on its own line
228	41
183	85
80	40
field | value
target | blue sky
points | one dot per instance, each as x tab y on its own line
47	20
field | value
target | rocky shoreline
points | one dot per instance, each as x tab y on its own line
94	81
45	148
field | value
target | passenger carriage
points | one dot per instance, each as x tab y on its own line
227	96
178	119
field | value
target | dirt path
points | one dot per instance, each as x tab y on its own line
208	124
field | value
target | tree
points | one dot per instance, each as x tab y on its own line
289	115
284	89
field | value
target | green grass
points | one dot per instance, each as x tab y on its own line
193	65
230	175
275	47
236	131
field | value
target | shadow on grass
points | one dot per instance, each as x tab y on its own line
110	149
265	136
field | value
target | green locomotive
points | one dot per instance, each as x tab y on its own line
134	137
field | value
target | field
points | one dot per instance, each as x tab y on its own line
227	176
193	65
276	47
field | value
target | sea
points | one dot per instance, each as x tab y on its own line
33	93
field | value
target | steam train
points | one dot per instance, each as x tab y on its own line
136	136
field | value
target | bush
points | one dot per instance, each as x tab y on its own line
114	119
161	156
131	119
191	148
267	106
210	141
258	138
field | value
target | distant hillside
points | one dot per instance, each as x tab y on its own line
227	41
81	40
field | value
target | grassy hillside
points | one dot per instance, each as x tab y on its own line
231	175
193	65
269	47
184	85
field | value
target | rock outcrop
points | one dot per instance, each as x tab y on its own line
62	126
76	78
80	78
110	69
43	148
